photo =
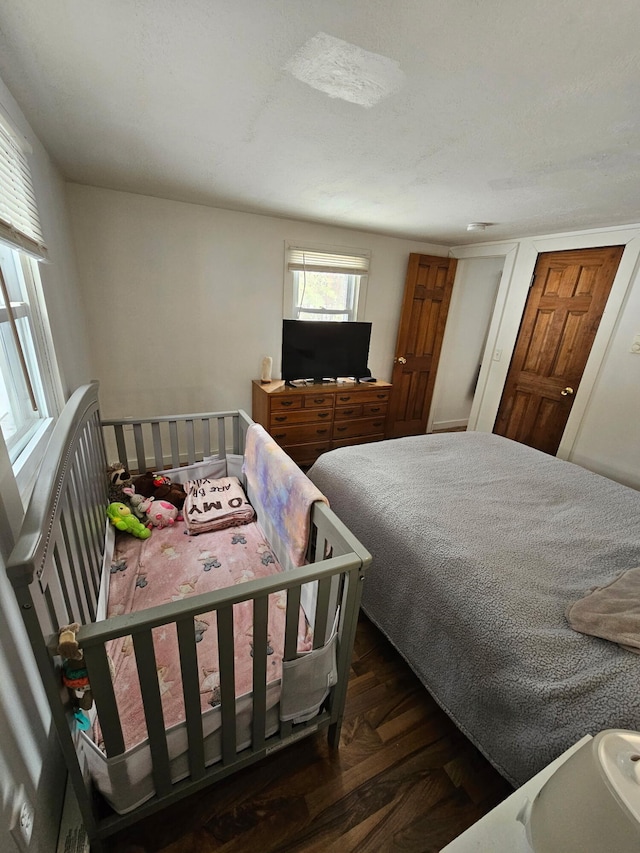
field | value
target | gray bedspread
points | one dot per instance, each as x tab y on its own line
479	544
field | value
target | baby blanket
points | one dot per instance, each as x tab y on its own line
281	489
215	504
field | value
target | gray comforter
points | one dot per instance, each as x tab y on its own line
479	544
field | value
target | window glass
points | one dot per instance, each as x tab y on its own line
23	402
325	295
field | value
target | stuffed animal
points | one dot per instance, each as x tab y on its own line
162	513
151	512
74	672
158	486
138	503
118	477
122	518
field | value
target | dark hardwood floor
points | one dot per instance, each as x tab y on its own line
404	779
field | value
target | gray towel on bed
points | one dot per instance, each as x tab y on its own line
611	612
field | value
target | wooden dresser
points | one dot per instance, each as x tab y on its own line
308	420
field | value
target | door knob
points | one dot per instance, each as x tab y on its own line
400	360
567	392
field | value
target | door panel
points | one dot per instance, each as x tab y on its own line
423	317
568	294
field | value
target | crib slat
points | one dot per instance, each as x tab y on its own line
291	629
222	439
121	444
175	447
260	619
227	683
322	612
236	434
206	437
71	513
104	697
157	445
77	491
191	442
74	594
138	438
148	676
191	693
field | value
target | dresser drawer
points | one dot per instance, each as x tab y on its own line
285	403
288	435
300	416
364	426
379	395
306	454
374	409
318	401
346	413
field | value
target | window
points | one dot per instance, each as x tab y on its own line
325	284
29	385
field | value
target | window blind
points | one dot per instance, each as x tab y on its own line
315	261
19	221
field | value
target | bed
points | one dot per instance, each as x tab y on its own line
479	546
203	654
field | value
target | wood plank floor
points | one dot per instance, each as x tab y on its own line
404	779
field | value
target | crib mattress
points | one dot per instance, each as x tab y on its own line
169	566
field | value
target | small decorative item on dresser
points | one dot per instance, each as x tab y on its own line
265	375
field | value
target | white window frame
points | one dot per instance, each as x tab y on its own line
354	258
21	234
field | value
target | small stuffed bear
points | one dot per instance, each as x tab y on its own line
159	487
74	672
118	477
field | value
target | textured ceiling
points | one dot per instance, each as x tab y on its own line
521	114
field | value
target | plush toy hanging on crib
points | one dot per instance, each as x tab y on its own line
118	477
74	672
123	518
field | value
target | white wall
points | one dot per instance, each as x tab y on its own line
184	301
602	432
29	754
472	300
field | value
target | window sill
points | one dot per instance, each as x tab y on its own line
26	466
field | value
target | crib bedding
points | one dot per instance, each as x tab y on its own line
172	565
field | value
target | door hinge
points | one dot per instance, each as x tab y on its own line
533	278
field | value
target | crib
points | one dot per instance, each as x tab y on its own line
57	568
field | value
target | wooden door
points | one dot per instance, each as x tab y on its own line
423	317
567	297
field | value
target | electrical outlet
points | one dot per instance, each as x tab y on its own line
22	820
635	344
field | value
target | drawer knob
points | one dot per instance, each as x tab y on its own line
348	412
319	400
341	429
344	399
321	431
279	435
280	418
381	396
375	408
286	402
323	414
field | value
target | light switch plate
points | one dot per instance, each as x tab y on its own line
635	344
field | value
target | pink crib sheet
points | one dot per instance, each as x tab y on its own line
173	565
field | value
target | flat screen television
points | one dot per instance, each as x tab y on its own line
323	350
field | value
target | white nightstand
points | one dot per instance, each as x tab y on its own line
499	831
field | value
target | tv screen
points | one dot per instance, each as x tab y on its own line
321	349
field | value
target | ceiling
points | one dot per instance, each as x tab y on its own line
410	118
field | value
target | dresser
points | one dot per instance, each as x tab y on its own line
310	419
